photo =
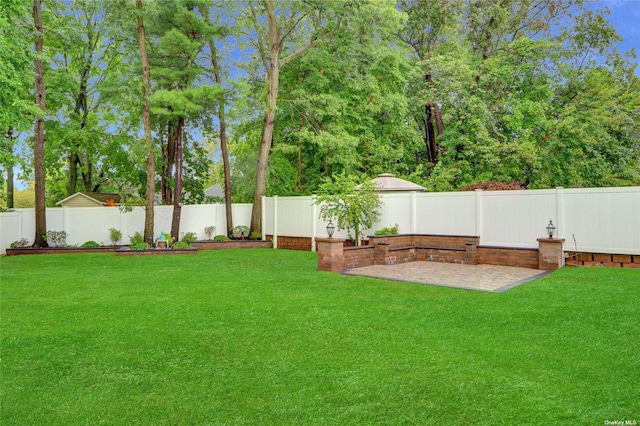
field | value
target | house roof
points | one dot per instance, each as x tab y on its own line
386	182
98	197
214	191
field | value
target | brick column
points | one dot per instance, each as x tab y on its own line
330	255
380	253
550	253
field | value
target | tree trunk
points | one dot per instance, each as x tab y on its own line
38	143
169	155
80	107
177	191
146	119
72	183
10	188
430	134
88	176
223	139
273	74
9	166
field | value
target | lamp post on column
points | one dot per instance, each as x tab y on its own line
551	229
330	229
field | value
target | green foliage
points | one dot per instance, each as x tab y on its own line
56	238
189	237
139	246
209	230
180	245
22	242
90	244
240	231
389	230
255	235
115	236
352	209
221	238
137	238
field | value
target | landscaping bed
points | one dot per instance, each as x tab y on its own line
60	250
156	251
230	244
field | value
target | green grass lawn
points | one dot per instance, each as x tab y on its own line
245	337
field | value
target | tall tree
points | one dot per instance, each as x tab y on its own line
226	166
283	27
427	23
146	119
180	96
38	143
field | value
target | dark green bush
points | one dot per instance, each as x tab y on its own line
180	245
255	235
221	238
90	244
139	246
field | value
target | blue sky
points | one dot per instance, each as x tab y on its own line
625	17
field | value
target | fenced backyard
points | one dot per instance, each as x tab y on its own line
602	220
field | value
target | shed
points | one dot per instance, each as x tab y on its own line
90	199
387	182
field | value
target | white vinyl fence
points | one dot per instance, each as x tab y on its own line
602	220
92	223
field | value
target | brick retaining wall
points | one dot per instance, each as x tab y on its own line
597	259
292	243
394	249
523	258
354	257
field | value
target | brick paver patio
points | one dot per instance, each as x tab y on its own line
469	277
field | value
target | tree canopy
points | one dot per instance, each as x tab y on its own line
446	93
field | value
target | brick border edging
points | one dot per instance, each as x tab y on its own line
231	244
59	250
156	252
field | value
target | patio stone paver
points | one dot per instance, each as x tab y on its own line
470	277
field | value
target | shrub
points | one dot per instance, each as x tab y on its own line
90	244
181	245
22	242
136	238
240	231
189	237
493	185
56	238
255	235
221	238
139	246
389	230
209	230
353	209
115	236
